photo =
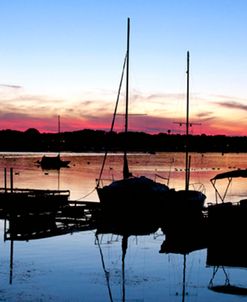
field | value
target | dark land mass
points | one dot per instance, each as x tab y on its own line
88	140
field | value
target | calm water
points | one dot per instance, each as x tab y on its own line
71	267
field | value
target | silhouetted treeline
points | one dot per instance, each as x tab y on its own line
96	141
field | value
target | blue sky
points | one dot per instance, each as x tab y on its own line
65	57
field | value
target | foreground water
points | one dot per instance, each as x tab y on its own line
77	267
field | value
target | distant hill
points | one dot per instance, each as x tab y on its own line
97	141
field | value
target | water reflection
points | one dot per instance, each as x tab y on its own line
227	246
185	233
179	239
124	226
29	225
214	243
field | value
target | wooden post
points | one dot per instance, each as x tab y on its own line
11	180
5	179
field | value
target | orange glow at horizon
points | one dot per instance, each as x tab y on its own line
152	126
151	113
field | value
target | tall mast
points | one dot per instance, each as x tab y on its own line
187	164
126	172
59	138
127	78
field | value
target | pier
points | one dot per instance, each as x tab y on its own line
36	213
73	217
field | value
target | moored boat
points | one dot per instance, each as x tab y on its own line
130	195
134	195
52	162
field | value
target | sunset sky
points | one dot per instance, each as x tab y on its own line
64	57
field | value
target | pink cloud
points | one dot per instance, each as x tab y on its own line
20	112
149	124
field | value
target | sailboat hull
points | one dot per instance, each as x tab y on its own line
55	162
135	192
142	191
140	198
189	200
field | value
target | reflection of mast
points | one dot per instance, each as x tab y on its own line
107	275
105	271
124	250
184	279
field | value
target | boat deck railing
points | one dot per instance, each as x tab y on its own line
198	187
158	176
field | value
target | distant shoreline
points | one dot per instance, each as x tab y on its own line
88	140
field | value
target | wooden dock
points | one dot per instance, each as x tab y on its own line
74	217
36	213
32	200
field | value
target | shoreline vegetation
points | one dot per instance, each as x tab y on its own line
88	140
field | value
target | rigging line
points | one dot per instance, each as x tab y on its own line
107	274
113	119
86	195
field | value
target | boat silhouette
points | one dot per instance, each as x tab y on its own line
139	195
53	162
131	194
48	162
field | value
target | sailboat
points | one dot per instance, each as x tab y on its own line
186	206
53	162
191	200
131	195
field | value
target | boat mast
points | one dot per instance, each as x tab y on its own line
127	79
126	173
187	158
59	139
